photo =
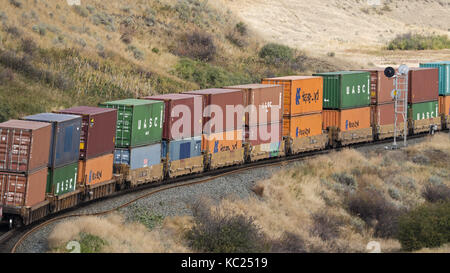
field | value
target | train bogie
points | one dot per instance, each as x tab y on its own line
186	166
307	144
225	159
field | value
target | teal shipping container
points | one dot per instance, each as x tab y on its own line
444	76
345	89
139	122
182	149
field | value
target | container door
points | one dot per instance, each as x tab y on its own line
4	147
84	136
124	125
19	150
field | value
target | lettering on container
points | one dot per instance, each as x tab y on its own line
300	132
307	97
351	125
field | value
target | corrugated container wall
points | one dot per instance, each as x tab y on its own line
184	112
96	170
383	114
345	89
264	134
444	105
223	142
302	126
266	101
301	94
424	110
24	145
17	189
444	76
423	85
98	130
380	86
182	149
347	120
66	131
62	180
139	122
219	100
139	157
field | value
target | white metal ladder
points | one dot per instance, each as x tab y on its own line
401	107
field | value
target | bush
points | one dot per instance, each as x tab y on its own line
91	243
14	31
241	28
326	225
289	243
80	10
29	46
16	3
145	216
197	46
345	179
427	226
436	192
411	41
217	233
275	53
137	53
6	75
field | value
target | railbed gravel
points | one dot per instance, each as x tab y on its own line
177	201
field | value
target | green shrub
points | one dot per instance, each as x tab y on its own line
436	192
197	46
427	226
80	10
345	179
275	53
289	243
216	233
91	243
411	41
145	216
137	53
241	28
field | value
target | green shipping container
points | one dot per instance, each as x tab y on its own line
444	76
345	89
424	110
62	180
139	122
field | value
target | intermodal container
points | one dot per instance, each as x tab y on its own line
24	145
444	76
66	131
139	122
95	170
217	105
19	189
302	126
345	89
139	157
301	94
62	180
264	103
264	134
98	130
347	119
182	149
380	86
383	114
424	110
183	115
423	85
223	142
444	105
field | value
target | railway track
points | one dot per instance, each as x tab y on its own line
24	232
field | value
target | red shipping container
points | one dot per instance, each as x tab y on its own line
423	85
380	86
225	101
24	145
267	100
383	114
264	134
181	109
19	190
98	130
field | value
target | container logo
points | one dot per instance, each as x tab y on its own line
301	133
307	97
351	125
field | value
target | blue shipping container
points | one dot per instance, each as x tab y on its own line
65	144
182	149
139	157
444	76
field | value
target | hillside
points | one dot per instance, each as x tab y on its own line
352	29
53	55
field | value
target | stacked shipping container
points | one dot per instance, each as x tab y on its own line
444	88
346	103
138	137
423	99
302	114
64	151
24	154
182	133
98	131
222	126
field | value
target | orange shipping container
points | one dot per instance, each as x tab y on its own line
347	120
302	126
302	94
95	170
444	105
222	142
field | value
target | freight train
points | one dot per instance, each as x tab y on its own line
51	162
